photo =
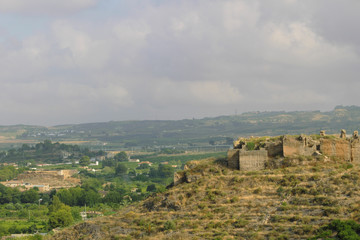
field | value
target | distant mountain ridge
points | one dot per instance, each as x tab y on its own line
195	131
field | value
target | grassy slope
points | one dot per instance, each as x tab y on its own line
228	204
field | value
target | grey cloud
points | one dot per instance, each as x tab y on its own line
44	7
182	59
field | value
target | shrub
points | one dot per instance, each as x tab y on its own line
169	225
324	201
327	211
240	223
250	146
299	191
337	229
257	191
347	166
61	218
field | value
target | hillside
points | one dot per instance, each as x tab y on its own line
190	132
219	203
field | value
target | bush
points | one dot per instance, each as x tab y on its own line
240	223
250	146
257	191
61	218
169	225
337	229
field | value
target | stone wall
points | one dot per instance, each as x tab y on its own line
233	158
339	148
345	149
298	146
274	149
252	160
355	151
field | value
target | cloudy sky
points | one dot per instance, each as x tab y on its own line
76	61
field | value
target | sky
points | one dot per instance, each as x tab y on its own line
80	61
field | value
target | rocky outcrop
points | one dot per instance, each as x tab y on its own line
179	178
187	175
239	143
163	202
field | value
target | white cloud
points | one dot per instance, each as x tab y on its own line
298	42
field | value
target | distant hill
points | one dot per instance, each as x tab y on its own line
219	203
218	130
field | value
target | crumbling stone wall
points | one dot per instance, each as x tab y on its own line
355	151
342	148
252	160
233	158
339	148
274	149
302	145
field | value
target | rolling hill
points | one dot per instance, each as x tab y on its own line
190	132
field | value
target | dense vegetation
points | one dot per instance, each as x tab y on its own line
9	172
337	229
105	188
46	152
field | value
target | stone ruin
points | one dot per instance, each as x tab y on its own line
341	148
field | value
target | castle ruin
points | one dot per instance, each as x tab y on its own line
250	158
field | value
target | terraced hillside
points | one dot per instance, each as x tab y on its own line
219	203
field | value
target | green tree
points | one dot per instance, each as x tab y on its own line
56	204
30	196
92	197
121	157
153	173
338	229
113	197
121	169
77	194
60	214
84	161
91	183
151	188
61	218
165	171
65	196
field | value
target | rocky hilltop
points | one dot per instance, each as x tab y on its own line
286	201
258	153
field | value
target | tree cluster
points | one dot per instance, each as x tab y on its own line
9	172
